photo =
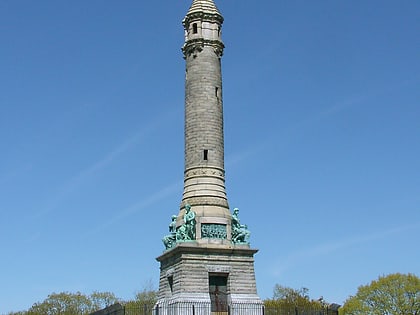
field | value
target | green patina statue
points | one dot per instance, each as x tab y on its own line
240	232
186	232
170	239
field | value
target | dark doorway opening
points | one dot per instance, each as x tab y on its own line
218	293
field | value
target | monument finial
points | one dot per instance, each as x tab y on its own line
203	6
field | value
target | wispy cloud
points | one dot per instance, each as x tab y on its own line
138	206
321	250
126	145
305	124
366	98
290	132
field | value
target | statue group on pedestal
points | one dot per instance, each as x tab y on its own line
240	232
186	232
170	240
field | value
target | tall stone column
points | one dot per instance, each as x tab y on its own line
204	177
208	263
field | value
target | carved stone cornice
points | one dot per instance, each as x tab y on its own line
204	171
242	252
194	46
205	201
208	17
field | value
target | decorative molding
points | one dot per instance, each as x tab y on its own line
206	201
208	17
194	46
200	171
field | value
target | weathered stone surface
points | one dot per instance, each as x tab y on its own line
204	177
188	268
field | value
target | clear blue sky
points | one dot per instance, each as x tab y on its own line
322	141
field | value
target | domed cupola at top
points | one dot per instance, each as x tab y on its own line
204	6
202	25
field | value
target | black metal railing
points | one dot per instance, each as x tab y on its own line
286	310
205	309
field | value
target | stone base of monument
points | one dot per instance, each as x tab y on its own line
212	279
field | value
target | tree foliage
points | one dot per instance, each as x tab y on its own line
63	303
147	296
289	294
66	303
289	298
101	300
395	294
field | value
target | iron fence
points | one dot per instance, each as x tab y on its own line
285	310
205	309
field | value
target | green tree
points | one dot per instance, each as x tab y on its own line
66	303
395	294
289	294
147	297
289	299
101	300
63	303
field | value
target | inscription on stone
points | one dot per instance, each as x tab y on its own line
218	268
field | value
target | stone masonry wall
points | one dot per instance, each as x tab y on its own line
190	274
203	110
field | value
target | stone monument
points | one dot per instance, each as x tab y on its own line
208	261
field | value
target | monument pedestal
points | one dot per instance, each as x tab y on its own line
208	280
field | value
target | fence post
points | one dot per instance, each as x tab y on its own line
263	309
229	311
296	310
193	310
